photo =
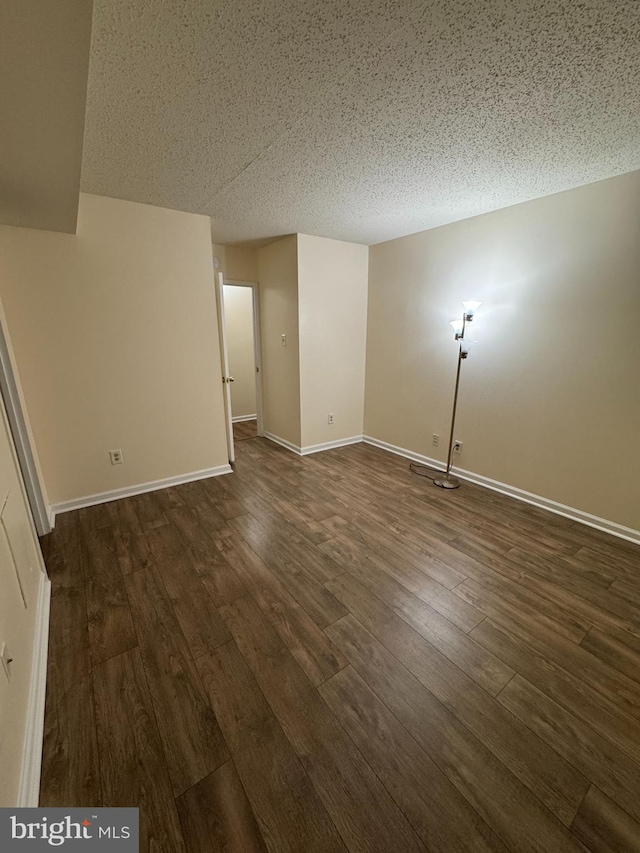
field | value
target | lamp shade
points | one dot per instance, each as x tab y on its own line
456	325
470	307
465	346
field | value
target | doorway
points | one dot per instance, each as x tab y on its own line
241	340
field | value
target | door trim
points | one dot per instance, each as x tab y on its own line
224	363
29	790
138	489
20	434
257	346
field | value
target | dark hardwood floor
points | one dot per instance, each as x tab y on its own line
330	653
245	429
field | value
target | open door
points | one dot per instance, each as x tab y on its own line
19	434
226	378
21	576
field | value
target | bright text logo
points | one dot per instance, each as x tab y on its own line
103	830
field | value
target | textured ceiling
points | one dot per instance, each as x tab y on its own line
357	120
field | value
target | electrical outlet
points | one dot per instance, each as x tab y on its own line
457	447
435	439
330	418
116	457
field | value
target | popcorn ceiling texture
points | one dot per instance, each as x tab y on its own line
360	121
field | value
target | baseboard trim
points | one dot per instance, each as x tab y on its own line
29	790
241	418
570	512
313	448
283	442
406	454
329	445
139	489
574	514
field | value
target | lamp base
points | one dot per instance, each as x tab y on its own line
447	482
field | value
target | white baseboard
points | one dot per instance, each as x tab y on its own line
313	448
329	445
139	489
407	454
32	754
574	514
283	442
240	418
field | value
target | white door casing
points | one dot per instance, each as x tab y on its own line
20	435
257	346
21	570
224	356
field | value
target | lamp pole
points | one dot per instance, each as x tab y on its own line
447	481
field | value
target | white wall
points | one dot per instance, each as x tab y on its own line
549	398
332	295
115	336
238	313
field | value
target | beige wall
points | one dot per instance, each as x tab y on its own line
115	336
44	64
241	263
278	276
332	293
549	398
238	313
220	252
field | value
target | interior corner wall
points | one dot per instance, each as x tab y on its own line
220	252
241	263
549	398
332	294
115	337
278	276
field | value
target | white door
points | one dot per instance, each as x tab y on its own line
226	378
20	575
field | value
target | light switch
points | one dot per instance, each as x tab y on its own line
284	340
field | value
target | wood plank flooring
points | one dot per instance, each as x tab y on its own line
329	653
245	429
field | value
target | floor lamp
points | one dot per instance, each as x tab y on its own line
446	481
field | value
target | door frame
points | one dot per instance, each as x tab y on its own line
20	434
224	363
257	345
